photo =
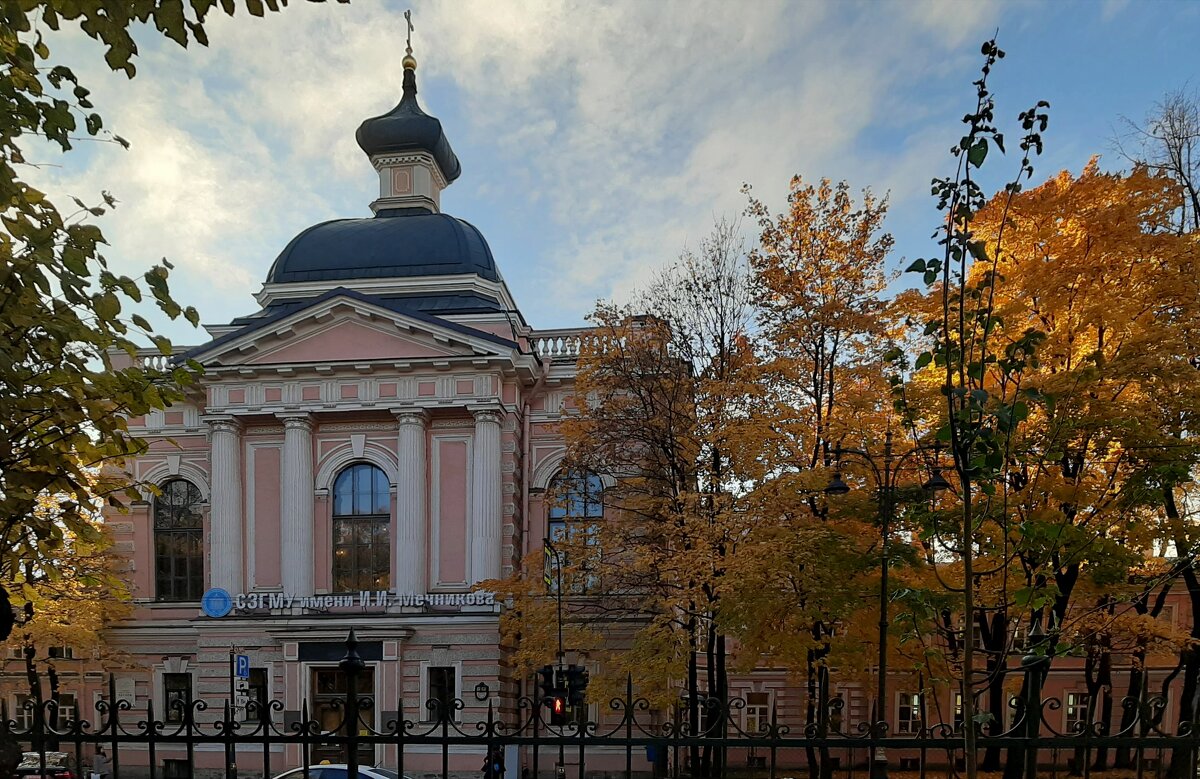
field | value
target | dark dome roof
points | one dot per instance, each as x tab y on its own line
407	128
395	243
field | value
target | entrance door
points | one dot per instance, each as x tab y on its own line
328	708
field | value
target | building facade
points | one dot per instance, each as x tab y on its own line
364	449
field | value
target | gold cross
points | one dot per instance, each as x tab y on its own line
408	18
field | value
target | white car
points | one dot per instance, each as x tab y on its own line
339	771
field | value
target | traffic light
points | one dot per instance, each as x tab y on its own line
577	682
558	709
546	681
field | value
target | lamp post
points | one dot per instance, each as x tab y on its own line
885	472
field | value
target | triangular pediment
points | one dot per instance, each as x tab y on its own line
348	329
349	339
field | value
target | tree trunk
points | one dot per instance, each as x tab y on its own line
810	754
693	696
53	720
994	633
1190	656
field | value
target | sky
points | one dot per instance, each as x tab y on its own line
598	139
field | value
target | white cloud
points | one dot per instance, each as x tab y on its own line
615	132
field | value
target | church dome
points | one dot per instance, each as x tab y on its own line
395	243
406	128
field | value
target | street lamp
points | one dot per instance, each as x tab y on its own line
885	473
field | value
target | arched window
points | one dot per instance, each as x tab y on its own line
576	504
178	542
361	515
576	495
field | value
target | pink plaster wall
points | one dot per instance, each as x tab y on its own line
143	549
273	394
348	341
452	512
266	541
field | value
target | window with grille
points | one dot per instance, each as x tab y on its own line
178	542
576	501
958	712
362	512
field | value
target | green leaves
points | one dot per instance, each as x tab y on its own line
63	390
978	153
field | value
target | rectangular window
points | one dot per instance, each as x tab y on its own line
177	696
757	714
23	715
443	689
256	693
68	709
61	653
1077	711
958	712
908	717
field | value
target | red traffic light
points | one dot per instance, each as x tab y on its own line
559	706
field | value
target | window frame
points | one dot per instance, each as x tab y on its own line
584	490
760	712
348	573
174	715
914	703
168	535
1075	709
446	712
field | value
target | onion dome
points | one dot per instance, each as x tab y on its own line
406	128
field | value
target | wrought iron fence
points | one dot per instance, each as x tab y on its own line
631	741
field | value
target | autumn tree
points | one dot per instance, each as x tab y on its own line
1167	141
818	281
63	609
665	416
62	310
1060	316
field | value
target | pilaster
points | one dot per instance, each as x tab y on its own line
486	514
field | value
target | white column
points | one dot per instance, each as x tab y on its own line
412	538
486	515
225	504
296	506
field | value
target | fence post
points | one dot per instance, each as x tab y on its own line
351	665
1032	665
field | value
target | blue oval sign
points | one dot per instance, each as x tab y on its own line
216	603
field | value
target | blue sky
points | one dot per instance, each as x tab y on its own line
597	139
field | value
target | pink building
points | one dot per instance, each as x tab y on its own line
364	449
